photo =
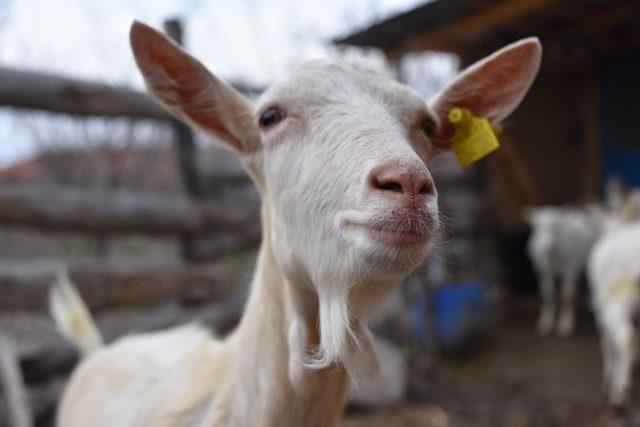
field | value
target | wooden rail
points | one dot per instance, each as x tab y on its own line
118	212
26	89
114	283
49	92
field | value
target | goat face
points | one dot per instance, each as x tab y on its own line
343	172
337	152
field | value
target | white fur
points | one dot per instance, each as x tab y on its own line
320	268
614	275
559	246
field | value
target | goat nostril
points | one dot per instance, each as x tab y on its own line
428	188
402	181
389	185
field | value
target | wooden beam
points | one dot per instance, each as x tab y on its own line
596	25
118	212
517	175
185	147
31	90
449	37
587	30
592	131
215	245
184	139
13	385
114	283
41	91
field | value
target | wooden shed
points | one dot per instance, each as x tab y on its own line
581	121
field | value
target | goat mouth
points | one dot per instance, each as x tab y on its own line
398	237
394	235
396	228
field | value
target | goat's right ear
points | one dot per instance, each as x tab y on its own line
491	88
190	92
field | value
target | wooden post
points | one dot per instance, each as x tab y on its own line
592	130
516	174
185	146
184	139
13	385
396	66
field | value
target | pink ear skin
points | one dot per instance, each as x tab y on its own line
492	87
189	91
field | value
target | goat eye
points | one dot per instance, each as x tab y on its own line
271	116
429	127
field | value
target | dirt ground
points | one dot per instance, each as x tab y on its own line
514	378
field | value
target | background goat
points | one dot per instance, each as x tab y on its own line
614	276
559	246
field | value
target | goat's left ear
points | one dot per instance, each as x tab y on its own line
492	87
190	92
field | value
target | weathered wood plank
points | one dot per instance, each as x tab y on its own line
13	386
49	92
447	38
27	89
113	212
113	283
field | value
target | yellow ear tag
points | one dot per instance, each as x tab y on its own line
474	137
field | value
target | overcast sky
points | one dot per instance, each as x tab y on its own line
255	41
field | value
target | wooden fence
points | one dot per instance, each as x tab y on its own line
207	227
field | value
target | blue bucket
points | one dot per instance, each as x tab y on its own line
459	313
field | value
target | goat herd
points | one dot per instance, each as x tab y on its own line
604	241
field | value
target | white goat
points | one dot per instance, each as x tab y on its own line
614	276
349	208
559	246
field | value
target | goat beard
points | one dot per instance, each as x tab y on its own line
344	336
343	305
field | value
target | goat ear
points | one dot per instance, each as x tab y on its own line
492	87
186	89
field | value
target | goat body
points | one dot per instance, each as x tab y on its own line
614	276
559	246
349	207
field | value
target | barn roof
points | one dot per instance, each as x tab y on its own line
475	27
